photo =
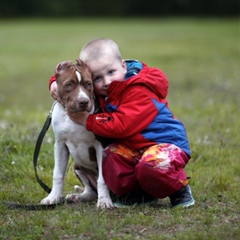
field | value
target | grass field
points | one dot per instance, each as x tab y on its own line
201	59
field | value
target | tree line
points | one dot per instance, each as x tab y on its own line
123	8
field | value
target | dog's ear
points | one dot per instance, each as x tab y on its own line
80	63
80	66
62	66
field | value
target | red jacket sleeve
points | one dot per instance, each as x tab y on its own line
134	114
51	80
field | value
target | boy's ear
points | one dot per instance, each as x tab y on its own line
124	65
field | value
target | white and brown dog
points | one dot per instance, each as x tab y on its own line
75	89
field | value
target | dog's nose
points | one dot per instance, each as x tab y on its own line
83	103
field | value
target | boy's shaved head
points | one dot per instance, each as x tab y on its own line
98	48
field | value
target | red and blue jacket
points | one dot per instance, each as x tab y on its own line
136	112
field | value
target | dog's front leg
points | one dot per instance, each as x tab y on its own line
61	155
104	199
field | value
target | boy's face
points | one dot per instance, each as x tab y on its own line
106	70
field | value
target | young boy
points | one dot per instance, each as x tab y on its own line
150	149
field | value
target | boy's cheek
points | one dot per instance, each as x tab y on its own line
99	91
97	87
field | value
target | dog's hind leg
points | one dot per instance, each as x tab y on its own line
89	180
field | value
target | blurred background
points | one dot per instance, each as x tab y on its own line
192	41
124	8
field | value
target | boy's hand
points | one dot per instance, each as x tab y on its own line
54	93
53	90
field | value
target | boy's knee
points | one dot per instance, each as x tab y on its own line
119	168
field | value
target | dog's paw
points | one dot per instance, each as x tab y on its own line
52	200
83	197
73	198
105	202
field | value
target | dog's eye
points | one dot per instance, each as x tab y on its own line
88	85
69	85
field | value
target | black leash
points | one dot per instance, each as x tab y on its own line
34	207
37	150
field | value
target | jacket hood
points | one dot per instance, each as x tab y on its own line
140	74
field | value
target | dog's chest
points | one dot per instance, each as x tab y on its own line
78	140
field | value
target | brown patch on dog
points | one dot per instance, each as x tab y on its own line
92	154
89	174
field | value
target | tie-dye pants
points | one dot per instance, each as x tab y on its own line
159	170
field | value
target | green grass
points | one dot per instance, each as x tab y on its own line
201	59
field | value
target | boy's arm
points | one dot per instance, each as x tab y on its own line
134	114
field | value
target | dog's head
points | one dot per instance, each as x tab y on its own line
75	86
